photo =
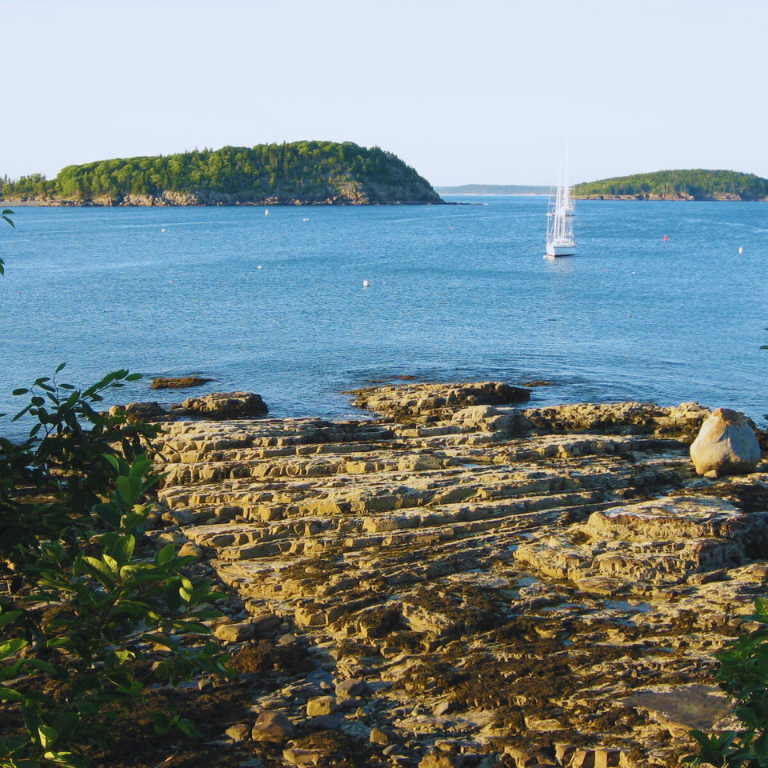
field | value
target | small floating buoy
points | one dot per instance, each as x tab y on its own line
452	228
741	250
665	238
629	315
259	267
266	213
365	283
163	230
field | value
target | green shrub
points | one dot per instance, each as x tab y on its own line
743	675
82	607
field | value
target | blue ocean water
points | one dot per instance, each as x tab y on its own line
276	304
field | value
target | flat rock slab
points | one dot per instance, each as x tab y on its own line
688	706
493	579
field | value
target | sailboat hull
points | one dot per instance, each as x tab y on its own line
560	250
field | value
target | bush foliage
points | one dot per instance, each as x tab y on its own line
697	184
83	602
743	675
311	171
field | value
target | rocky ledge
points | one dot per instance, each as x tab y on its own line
474	584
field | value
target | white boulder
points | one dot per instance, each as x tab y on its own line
726	445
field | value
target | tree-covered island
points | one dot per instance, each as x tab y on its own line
300	173
677	185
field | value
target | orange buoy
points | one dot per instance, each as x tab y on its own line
665	238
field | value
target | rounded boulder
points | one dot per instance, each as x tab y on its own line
726	445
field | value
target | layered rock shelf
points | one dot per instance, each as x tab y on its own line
476	583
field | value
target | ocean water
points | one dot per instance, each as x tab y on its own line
276	304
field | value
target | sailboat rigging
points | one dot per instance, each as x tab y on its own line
560	240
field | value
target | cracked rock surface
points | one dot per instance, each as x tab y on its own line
477	583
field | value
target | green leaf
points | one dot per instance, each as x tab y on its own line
21	391
21	413
7	618
162	640
66	723
113	460
165	555
100	571
8	694
42	665
129	488
123	550
141	465
61	367
109	513
10	648
48	736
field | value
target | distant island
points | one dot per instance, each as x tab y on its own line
677	185
300	173
493	189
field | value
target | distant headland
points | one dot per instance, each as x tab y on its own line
300	173
493	189
694	184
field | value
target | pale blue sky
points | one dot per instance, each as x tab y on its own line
463	91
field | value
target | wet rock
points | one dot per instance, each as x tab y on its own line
583	758
443	708
725	445
607	758
178	382
225	405
324	723
265	623
303	756
272	726
239	732
321	705
383	736
235	633
189	549
141	411
406	402
438	760
348	689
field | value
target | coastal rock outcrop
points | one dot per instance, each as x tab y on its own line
432	402
225	405
141	411
726	445
478	583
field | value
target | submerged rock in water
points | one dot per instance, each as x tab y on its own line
179	382
726	445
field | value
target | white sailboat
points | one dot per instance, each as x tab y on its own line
560	241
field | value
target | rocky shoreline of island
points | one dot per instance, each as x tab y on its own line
725	198
463	579
179	201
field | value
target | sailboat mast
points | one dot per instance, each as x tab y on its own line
560	240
